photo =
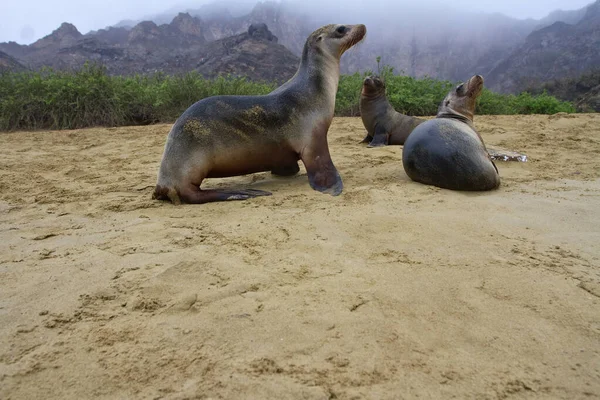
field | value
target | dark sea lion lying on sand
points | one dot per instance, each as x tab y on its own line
447	151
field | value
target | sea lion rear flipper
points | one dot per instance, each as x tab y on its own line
322	174
244	194
381	137
197	196
367	139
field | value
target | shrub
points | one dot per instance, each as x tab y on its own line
90	97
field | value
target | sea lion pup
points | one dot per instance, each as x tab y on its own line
385	126
236	135
447	151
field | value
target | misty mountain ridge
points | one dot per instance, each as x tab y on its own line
9	63
177	47
444	43
560	50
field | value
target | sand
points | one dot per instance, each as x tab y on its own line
391	290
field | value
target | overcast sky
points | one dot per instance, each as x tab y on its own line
25	21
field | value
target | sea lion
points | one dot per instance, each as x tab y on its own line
385	126
225	136
447	151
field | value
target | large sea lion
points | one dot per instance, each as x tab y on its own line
447	151
236	135
385	126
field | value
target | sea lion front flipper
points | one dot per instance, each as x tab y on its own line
367	139
494	164
322	174
380	138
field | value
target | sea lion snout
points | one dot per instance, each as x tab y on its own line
373	85
368	86
475	85
335	39
374	81
353	35
357	32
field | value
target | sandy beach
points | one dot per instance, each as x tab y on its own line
392	290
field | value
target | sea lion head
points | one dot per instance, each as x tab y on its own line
373	86
335	39
463	99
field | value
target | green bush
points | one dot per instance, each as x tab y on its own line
406	94
90	97
49	99
420	97
526	103
490	103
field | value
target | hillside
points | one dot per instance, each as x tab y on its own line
9	63
437	44
560	50
583	91
444	43
255	54
177	47
570	17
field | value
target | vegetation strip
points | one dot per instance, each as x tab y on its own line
90	97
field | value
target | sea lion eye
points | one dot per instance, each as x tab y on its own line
341	30
459	87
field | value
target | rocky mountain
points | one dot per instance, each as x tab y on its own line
219	10
444	43
254	54
583	91
177	47
64	48
590	101
441	46
8	63
571	17
560	50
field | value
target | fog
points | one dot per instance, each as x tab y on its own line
26	21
